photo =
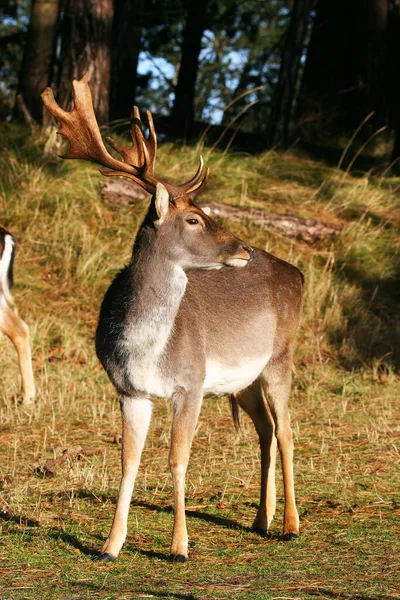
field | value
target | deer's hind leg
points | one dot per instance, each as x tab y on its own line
252	402
276	381
18	331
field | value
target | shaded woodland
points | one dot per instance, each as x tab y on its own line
267	74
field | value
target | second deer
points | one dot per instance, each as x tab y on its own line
196	312
10	323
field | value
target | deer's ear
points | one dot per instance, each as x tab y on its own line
162	201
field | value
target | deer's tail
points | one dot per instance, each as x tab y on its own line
233	401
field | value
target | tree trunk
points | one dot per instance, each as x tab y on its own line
282	101
127	32
344	76
38	57
183	108
393	77
86	43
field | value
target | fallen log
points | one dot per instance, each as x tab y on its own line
308	230
124	192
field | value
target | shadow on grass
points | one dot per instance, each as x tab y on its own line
72	540
19	519
324	593
209	518
132	595
168	595
196	514
378	336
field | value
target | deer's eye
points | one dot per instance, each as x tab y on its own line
192	221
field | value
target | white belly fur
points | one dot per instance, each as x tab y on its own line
222	379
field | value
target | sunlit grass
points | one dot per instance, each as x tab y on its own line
344	400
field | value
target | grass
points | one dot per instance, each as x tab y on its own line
345	406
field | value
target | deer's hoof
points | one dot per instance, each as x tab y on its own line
105	557
180	558
290	536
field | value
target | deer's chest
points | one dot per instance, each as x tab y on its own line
141	354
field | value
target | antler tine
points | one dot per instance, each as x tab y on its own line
189	184
142	153
132	155
198	187
80	128
137	134
151	147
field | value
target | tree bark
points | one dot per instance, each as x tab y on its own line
183	108
38	57
86	46
282	101
127	33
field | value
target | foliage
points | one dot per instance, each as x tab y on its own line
241	52
344	400
13	25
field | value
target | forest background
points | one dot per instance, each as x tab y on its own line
278	71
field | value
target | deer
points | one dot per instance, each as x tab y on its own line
11	323
195	313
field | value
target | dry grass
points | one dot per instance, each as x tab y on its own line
345	403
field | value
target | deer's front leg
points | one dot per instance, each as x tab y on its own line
186	412
136	414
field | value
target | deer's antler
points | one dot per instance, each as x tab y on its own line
80	128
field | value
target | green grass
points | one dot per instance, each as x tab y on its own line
345	400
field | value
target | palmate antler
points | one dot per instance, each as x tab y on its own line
80	128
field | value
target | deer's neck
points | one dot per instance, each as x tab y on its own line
158	286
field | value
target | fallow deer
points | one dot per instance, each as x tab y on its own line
195	312
10	323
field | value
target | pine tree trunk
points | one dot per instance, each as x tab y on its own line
393	78
183	108
127	33
38	57
86	44
282	101
344	76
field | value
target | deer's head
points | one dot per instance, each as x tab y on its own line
193	238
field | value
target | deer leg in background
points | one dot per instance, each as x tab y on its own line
251	400
18	331
136	415
276	380
186	412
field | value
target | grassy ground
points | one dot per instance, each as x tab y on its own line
345	400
